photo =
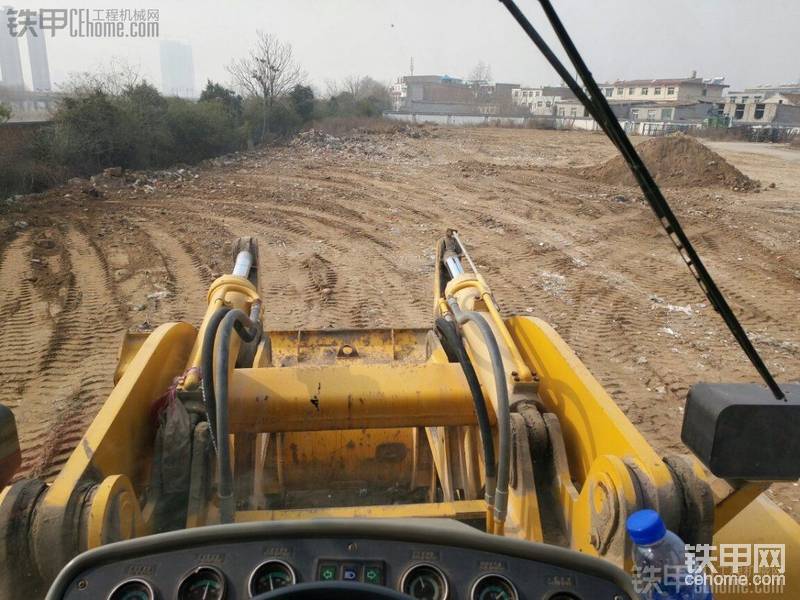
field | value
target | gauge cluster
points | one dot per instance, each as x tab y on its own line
422	581
199	565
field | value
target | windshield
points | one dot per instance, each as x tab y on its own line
139	145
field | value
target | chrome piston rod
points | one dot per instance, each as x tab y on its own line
244	261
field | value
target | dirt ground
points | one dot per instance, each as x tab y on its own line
347	230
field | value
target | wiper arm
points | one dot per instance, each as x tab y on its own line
597	106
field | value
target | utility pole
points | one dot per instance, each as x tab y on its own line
412	66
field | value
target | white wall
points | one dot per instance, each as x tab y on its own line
578	123
454	119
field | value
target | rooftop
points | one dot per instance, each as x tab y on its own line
676	81
769	86
668	104
793	98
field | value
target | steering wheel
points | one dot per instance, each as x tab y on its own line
333	590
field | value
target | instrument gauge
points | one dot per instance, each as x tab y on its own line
133	589
204	583
424	582
493	587
271	575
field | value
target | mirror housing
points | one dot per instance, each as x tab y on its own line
740	431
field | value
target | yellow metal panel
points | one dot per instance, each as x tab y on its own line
463	509
348	458
734	500
114	514
119	439
310	398
592	423
347	346
131	344
763	522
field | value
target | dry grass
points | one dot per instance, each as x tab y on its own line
339	126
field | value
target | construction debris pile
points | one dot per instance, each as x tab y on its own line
358	143
114	180
676	160
319	142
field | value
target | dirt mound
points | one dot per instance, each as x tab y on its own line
675	161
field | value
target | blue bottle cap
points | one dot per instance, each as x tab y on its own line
645	527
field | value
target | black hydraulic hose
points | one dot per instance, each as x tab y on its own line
247	330
503	410
207	369
455	347
598	107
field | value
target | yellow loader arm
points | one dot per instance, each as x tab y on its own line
487	420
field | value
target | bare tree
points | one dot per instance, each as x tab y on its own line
268	73
331	88
373	88
112	78
481	72
360	87
353	85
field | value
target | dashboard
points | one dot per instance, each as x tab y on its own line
428	559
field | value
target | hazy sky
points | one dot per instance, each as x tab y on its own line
747	41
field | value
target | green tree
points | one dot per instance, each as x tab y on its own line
91	132
199	130
5	113
230	100
302	99
145	111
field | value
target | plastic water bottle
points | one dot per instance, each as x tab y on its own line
663	571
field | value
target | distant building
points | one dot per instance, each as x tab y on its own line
437	94
27	106
681	99
688	89
38	103
541	101
10	61
647	111
177	69
760	92
674	111
398	92
494	98
764	106
571	107
40	67
442	94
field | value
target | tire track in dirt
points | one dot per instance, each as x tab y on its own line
25	325
319	294
344	304
187	289
77	376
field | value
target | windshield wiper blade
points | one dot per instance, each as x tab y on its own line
598	107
